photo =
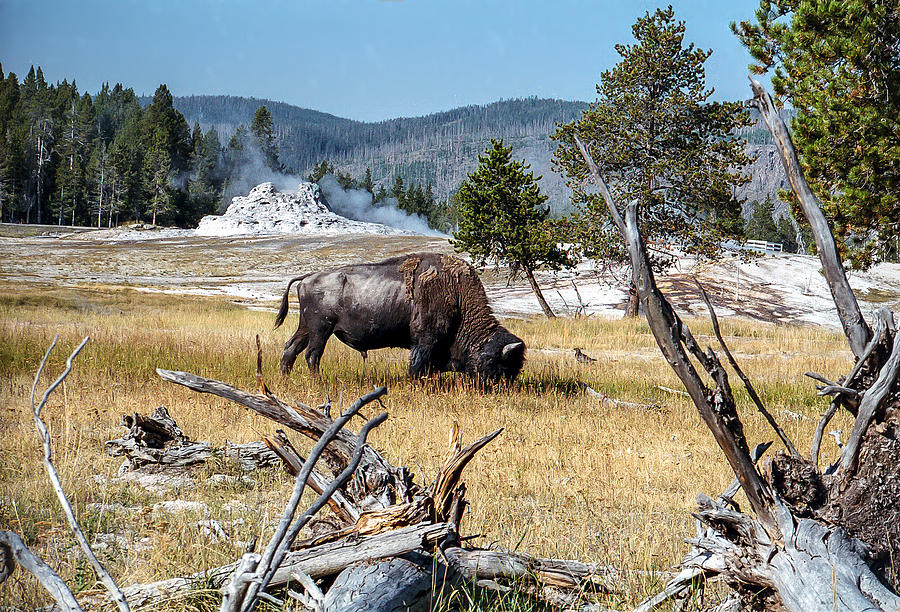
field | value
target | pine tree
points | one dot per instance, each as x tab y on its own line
503	218
761	224
367	183
838	65
658	140
264	135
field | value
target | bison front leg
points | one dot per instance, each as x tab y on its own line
294	346
422	358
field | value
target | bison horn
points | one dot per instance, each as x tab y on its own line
509	348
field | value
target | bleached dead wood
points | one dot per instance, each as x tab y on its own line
619	403
870	403
485	564
376	484
13	550
44	435
397	583
286	531
798	563
855	327
340	505
318	562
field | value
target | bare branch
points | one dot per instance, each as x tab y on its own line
286	533
855	327
44	435
13	549
747	384
870	404
619	403
820	431
672	335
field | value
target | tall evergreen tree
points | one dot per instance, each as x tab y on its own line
367	183
761	223
658	140
838	64
503	218
264	134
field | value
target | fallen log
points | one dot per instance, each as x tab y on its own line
376	484
317	562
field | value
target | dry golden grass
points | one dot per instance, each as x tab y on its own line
568	478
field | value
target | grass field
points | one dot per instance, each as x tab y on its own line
567	478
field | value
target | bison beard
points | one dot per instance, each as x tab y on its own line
432	304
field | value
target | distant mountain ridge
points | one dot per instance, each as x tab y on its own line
439	148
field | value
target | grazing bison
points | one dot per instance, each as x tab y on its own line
433	304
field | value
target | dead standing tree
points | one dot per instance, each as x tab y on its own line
817	540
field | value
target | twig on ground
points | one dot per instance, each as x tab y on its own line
673	391
620	403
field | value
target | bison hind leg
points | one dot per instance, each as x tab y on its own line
293	347
318	336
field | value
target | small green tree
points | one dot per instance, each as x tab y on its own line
761	224
264	134
838	64
502	218
660	141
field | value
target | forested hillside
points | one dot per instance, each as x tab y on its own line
72	157
438	149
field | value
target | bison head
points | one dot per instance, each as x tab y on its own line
502	356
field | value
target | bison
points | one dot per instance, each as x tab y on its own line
432	304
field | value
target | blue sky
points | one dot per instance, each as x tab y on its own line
362	59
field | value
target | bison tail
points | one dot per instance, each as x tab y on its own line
283	310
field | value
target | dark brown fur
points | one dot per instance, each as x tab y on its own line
435	305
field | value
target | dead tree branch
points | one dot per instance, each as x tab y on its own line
376	484
13	549
799	563
619	403
673	336
869	405
285	532
747	384
855	327
44	435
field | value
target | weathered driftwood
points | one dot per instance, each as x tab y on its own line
107	580
855	327
13	549
776	556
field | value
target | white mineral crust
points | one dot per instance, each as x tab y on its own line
265	210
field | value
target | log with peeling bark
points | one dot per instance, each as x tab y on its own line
155	442
814	541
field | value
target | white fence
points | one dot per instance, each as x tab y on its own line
761	246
